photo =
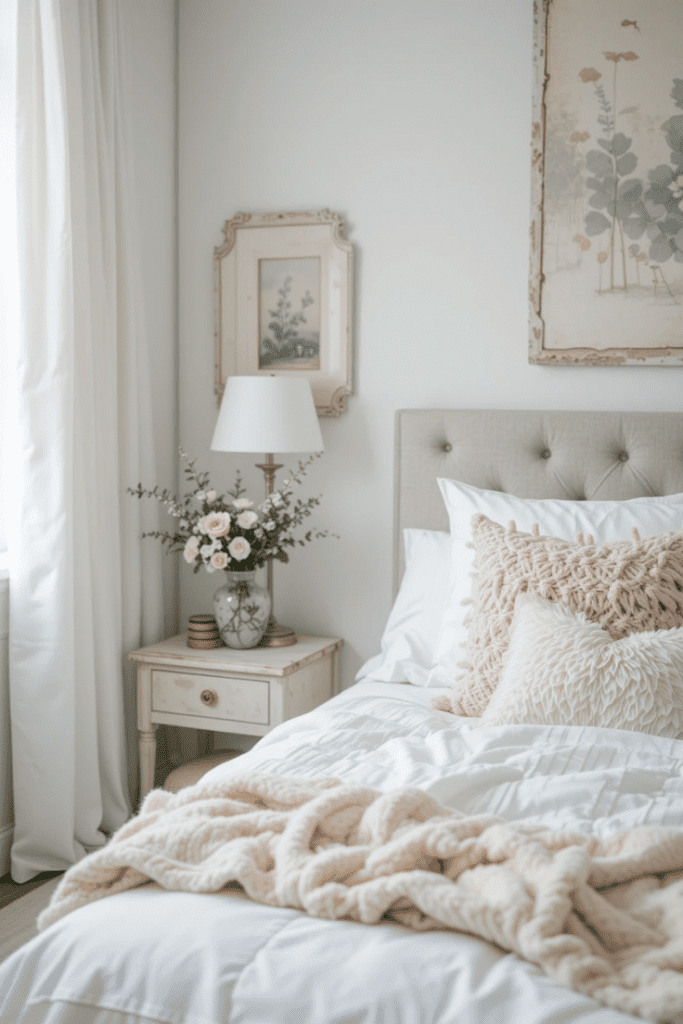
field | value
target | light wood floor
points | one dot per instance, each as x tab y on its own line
18	919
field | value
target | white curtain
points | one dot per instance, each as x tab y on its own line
84	589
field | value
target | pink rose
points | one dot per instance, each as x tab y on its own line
216	524
246	520
239	548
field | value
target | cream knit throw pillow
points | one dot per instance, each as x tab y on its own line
563	669
627	587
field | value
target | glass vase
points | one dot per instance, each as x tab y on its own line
242	610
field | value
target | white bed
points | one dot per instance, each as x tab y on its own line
149	956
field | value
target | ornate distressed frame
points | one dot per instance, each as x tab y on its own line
537	327
236	285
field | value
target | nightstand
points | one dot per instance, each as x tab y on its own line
243	692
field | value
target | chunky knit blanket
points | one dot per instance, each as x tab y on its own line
603	916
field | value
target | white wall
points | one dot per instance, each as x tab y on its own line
412	119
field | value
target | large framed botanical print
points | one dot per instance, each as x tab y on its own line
283	284
607	183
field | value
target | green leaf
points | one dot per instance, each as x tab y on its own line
631	189
661	250
600	200
634	227
674	136
620	144
627	164
661	175
599	163
672	225
677	92
661	196
596	223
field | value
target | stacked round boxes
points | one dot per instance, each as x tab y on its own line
202	631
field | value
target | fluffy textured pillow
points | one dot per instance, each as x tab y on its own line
563	669
627	587
411	632
606	520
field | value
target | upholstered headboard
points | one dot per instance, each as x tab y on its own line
576	455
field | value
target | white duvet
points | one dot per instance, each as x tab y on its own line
151	956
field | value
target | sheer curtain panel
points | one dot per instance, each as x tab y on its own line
82	589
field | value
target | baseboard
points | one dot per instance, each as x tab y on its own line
6	836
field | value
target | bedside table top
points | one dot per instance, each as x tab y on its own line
273	661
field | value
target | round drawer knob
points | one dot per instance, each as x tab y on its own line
209	697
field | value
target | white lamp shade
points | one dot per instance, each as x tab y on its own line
267	414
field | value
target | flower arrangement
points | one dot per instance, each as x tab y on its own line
227	531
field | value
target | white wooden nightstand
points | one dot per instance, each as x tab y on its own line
243	692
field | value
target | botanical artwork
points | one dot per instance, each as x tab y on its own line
289	314
610	273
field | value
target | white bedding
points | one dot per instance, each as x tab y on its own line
154	956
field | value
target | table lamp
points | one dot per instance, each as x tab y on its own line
268	414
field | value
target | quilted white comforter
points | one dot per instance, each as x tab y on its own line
153	956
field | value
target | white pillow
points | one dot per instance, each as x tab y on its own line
606	521
412	629
563	669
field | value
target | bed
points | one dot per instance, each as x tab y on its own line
148	955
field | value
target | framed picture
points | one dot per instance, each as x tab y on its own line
607	183
283	302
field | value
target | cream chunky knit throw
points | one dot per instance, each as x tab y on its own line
603	916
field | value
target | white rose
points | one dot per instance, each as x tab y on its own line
270	525
239	548
242	503
217	524
191	549
211	497
201	525
276	499
219	560
246	520
206	550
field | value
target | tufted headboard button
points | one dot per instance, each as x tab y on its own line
546	453
447	446
623	456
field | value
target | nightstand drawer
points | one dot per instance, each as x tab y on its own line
188	693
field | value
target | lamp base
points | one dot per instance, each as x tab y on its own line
277	635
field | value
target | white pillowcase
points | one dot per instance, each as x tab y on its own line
563	669
607	521
410	635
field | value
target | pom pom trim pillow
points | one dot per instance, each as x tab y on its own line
607	521
410	635
627	587
563	669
